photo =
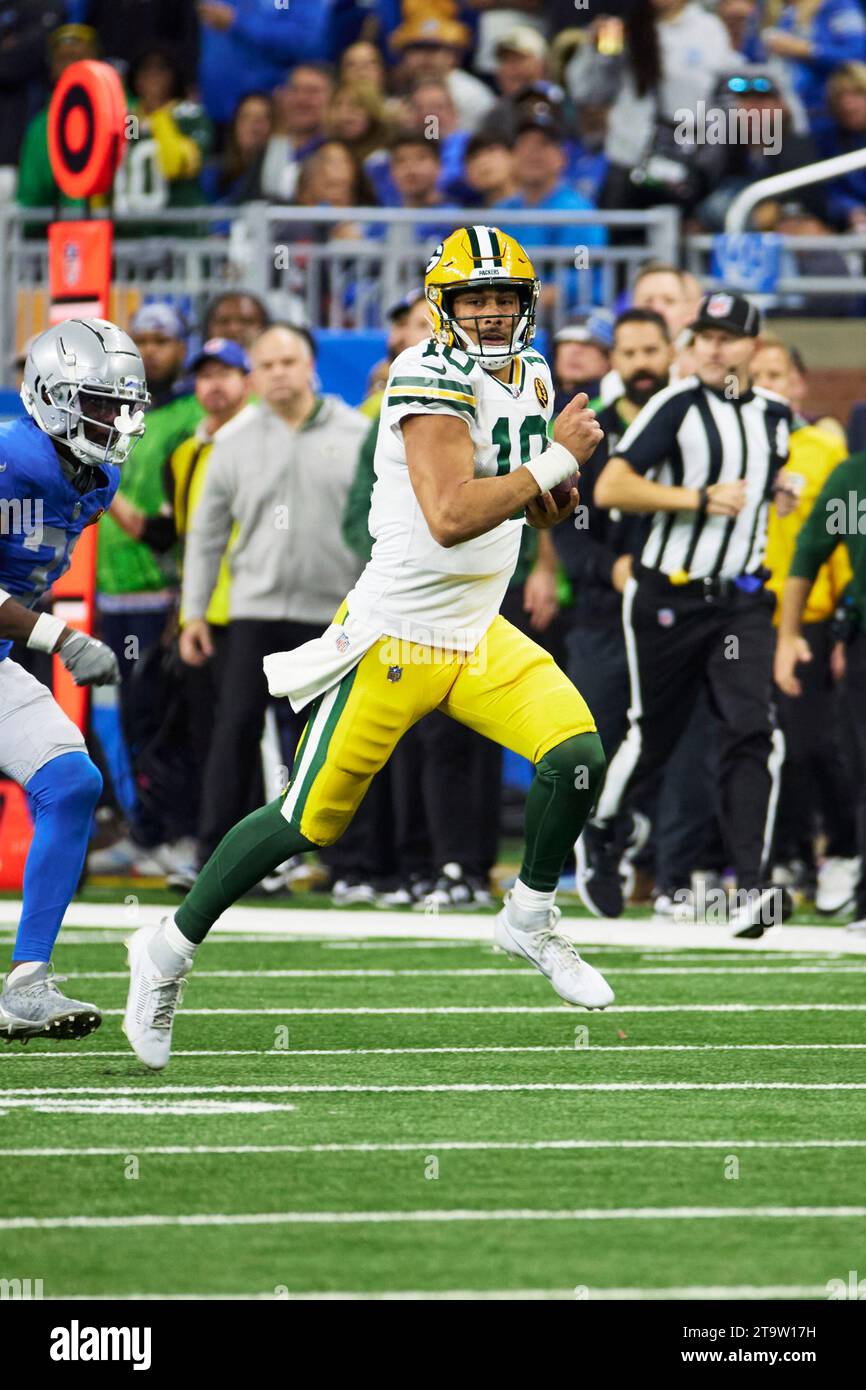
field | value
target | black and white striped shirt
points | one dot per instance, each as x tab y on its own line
690	435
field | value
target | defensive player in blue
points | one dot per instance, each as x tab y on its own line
85	391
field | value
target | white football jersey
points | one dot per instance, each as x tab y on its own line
413	587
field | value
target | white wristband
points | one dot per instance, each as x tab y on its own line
551	467
45	632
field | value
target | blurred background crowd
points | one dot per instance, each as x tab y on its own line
425	104
421	103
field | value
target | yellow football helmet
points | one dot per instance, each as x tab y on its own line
471	257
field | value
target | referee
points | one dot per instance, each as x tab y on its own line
702	459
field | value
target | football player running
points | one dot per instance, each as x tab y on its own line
85	392
466	456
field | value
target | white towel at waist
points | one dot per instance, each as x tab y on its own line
306	671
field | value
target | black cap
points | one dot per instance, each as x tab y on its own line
733	313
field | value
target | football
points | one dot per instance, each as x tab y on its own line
561	493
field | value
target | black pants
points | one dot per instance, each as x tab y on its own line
683	814
447	792
854	691
818	789
682	639
233	762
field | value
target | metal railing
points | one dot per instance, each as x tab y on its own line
286	256
797	286
737	215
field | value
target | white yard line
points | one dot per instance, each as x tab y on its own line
434	1146
502	972
83	1056
581	1293
304	923
26	1094
444	1216
436	1010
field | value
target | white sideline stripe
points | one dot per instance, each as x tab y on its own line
314	735
434	1051
354	1218
11	1095
687	1291
625	759
439	1145
502	972
128	1105
522	1009
815	957
325	924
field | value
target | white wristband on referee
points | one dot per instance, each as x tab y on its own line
551	467
45	632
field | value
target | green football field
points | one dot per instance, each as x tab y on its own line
421	1116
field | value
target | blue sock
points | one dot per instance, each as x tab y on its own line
63	796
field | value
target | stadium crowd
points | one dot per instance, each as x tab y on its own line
426	102
205	564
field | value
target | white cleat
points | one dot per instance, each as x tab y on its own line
152	1002
553	954
836	889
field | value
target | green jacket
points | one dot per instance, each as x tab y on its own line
124	565
357	537
837	518
36	186
139	183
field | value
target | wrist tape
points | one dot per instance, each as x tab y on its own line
46	632
551	467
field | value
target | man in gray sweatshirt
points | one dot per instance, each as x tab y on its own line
274	495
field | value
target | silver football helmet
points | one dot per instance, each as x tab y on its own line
84	385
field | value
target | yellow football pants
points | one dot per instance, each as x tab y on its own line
508	689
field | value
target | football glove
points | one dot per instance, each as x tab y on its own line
89	661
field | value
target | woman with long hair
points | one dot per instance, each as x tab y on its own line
358	115
237	176
662	60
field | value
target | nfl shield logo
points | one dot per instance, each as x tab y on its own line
394	673
666	617
342	642
720	306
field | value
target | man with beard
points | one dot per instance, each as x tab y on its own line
596	550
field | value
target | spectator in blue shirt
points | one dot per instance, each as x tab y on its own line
246	47
539	165
432	109
813	41
489	170
415	167
844	132
742	18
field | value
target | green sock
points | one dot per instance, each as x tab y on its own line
251	849
563	792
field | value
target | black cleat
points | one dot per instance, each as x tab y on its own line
599	881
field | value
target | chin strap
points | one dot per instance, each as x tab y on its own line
75	470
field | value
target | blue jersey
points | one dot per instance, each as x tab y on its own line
42	513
